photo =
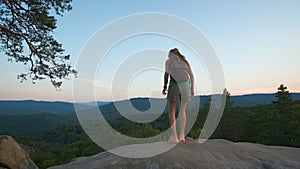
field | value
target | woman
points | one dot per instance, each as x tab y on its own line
181	86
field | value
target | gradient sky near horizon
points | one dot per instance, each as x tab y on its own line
257	44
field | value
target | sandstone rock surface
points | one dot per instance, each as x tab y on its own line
213	154
12	156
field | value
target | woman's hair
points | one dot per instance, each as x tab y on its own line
176	52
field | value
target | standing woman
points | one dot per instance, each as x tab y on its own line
181	85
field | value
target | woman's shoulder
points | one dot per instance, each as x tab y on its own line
167	61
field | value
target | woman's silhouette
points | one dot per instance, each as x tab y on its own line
181	85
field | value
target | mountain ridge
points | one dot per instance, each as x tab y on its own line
15	107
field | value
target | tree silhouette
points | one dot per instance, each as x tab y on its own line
228	102
284	99
26	28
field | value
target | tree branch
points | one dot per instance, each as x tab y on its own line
31	47
30	22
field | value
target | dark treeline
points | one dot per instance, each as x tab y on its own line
274	124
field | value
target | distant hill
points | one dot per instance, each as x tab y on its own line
36	116
254	99
251	99
141	104
33	123
110	111
34	107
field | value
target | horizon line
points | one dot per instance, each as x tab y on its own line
136	97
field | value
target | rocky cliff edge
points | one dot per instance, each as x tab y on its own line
213	154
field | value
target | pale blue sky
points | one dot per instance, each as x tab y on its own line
257	43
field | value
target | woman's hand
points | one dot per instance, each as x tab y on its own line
164	91
192	93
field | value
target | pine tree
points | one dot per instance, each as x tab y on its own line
228	102
26	36
284	99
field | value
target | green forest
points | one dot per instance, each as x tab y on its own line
273	124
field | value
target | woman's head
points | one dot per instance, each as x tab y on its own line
175	52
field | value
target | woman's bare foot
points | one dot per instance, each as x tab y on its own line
173	139
182	138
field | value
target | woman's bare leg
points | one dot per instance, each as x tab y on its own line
172	120
182	116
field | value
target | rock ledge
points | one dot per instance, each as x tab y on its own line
12	156
213	154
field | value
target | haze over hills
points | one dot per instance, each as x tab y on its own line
36	107
31	116
12	107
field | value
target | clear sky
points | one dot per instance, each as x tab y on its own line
257	43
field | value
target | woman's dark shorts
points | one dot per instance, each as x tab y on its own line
181	92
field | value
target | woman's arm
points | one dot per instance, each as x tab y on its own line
166	77
192	81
